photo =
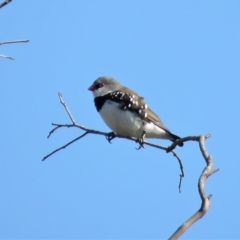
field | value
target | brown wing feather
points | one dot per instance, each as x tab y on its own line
128	101
154	118
151	116
137	102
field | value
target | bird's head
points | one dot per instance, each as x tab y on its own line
104	85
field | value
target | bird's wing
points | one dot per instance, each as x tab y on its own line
146	113
152	117
135	103
129	100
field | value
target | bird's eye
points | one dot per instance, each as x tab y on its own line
99	85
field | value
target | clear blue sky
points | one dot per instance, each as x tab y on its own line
182	56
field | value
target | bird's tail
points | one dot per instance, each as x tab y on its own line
174	138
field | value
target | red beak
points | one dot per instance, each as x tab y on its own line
91	88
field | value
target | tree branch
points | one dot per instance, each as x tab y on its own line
58	149
207	171
4	3
4	56
15	41
66	108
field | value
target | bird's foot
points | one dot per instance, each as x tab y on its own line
141	141
110	136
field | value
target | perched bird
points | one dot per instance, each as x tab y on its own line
126	113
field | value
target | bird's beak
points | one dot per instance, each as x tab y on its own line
91	88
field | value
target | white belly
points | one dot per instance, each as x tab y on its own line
121	122
127	123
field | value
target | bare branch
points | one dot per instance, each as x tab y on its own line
92	131
56	150
185	139
4	3
181	168
15	41
207	171
4	56
66	108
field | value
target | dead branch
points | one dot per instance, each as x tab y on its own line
66	108
4	3
14	41
207	171
4	56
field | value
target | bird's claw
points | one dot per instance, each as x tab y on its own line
141	141
110	136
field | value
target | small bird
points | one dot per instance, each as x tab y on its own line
126	113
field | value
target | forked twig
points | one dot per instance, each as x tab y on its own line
64	146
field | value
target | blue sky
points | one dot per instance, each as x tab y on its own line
182	56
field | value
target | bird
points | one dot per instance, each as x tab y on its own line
126	113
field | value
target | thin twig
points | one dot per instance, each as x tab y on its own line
181	168
77	126
4	3
92	131
15	41
8	57
58	149
66	108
